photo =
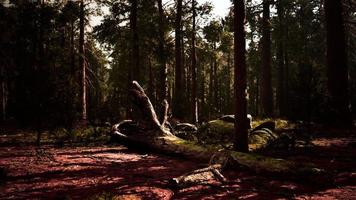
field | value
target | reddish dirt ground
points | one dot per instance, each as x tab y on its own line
116	172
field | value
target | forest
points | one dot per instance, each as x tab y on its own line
165	99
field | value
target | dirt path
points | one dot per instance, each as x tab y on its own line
119	173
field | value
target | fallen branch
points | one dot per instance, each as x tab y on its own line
200	176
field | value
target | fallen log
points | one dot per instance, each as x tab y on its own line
151	133
261	136
199	176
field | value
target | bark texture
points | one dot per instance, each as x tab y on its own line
194	72
178	92
337	71
266	87
241	125
163	94
82	62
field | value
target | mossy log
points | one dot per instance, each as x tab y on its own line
262	134
148	131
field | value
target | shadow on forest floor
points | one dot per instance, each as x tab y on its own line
115	172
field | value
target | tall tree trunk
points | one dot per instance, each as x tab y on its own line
305	66
286	67
186	72
216	86
72	54
163	93
40	75
228	97
211	88
257	97
337	71
266	87
280	58
194	72
177	98
82	65
240	85
3	93
151	89
135	54
202	107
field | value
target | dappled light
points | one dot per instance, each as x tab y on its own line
177	99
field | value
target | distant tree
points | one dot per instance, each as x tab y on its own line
240	85
135	51
226	47
82	64
212	33
280	59
194	70
6	58
266	83
178	93
162	54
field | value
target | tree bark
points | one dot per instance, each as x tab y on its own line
40	75
337	70
228	89
240	85
82	63
3	93
266	89
162	56
216	85
177	100
151	87
211	88
135	52
286	66
280	58
72	54
194	72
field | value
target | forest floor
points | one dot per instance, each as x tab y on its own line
116	172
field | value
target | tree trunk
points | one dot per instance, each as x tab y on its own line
147	131
3	93
135	53
151	88
228	89
280	58
286	66
186	77
216	85
211	88
194	72
177	98
202	108
162	56
40	75
82	65
240	85
337	71
266	87
72	54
